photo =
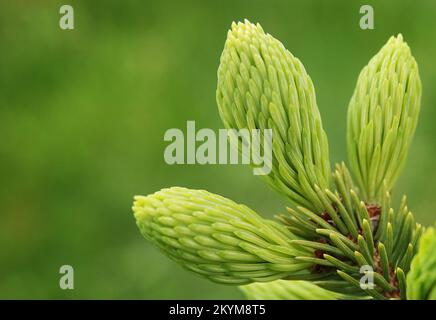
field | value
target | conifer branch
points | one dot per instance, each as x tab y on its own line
341	226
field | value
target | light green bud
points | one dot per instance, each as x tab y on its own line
382	117
421	279
215	237
261	85
288	290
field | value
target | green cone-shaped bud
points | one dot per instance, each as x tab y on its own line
261	85
421	280
215	237
288	290
382	117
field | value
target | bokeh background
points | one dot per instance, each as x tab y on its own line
83	114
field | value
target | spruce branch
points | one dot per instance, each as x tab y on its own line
356	235
261	85
421	280
341	228
217	238
382	117
290	290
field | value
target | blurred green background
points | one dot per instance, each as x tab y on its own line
83	114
